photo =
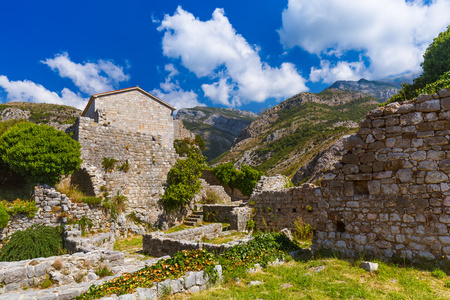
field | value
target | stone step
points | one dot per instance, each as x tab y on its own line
190	223
197	213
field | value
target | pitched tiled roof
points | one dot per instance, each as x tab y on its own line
123	91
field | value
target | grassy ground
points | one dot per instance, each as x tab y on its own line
131	247
330	278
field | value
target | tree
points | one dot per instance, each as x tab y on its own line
184	181
39	153
436	62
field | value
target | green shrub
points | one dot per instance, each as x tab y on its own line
28	208
211	197
186	147
436	67
46	283
4	217
250	224
83	223
108	164
302	230
183	181
39	153
125	167
199	141
439	274
92	200
103	272
244	180
36	241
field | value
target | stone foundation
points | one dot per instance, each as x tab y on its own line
157	244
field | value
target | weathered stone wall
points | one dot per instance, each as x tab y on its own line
389	195
56	209
157	244
134	111
148	159
213	190
234	214
63	270
180	132
271	183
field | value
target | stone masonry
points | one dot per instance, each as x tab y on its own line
389	196
136	129
135	110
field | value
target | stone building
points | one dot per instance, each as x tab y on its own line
135	130
133	109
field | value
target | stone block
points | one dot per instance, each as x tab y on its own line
405	175
444	165
353	141
445	103
176	286
146	293
350	159
435	177
411	119
428	106
15	275
200	278
436	140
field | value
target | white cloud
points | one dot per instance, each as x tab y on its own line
172	93
90	78
204	47
392	34
28	91
341	71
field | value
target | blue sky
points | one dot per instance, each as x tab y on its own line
242	54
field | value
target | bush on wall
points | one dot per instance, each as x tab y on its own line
39	153
244	180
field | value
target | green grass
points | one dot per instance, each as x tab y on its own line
177	228
132	243
227	238
340	279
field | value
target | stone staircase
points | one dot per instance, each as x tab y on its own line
195	218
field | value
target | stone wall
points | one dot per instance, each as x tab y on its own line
180	132
157	244
234	214
214	191
388	196
56	209
63	270
148	160
133	110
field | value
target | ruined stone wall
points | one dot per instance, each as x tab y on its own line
388	196
136	112
148	160
180	132
234	194
234	214
54	209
